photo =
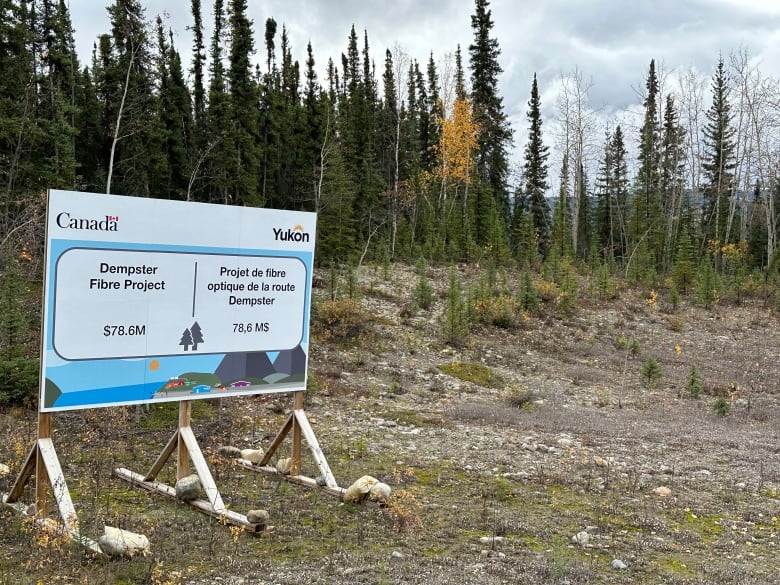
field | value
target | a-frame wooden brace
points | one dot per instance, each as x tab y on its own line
300	427
43	463
186	447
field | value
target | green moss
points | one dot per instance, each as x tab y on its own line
405	417
470	372
708	527
532	543
675	565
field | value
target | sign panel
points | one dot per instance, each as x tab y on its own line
156	300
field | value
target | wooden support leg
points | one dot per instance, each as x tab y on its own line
41	476
295	468
182	458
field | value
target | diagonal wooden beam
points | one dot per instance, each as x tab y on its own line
283	432
314	447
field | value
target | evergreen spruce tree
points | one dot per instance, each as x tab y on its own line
16	93
54	131
619	191
718	162
560	244
218	116
603	212
684	270
759	232
646	231
535	173
455	319
198	77
317	130
127	84
460	78
495	134
241	142
435	110
174	117
672	179
583	227
89	139
708	284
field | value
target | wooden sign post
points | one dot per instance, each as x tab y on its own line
186	447
42	462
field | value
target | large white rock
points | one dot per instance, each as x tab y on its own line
379	492
229	451
254	456
582	538
284	465
258	517
116	542
358	491
188	488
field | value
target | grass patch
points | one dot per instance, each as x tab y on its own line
476	373
165	415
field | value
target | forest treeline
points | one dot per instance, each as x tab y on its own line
398	157
401	159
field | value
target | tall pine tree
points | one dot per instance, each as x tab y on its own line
495	135
535	173
718	163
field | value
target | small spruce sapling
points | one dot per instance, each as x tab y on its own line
694	384
651	372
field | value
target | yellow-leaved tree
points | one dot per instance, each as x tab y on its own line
457	143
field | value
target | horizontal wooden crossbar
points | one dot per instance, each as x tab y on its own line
201	505
271	471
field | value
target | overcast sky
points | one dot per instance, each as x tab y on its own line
610	42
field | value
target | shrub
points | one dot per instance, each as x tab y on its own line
674	298
423	294
353	291
527	297
566	301
340	319
19	382
694	384
498	311
403	510
455	318
721	406
604	284
519	396
651	372
709	285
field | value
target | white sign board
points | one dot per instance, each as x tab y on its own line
157	300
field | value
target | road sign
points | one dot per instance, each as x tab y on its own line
148	300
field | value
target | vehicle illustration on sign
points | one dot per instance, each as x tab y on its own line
240	384
201	388
178	382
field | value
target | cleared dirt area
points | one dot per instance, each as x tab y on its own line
533	454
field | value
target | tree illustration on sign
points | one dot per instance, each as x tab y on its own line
197	336
186	339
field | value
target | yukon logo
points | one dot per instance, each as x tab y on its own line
109	223
295	234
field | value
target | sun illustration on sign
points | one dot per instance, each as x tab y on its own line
154	365
298	228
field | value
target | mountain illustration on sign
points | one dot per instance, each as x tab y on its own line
192	337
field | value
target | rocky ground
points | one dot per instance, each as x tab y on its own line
534	454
